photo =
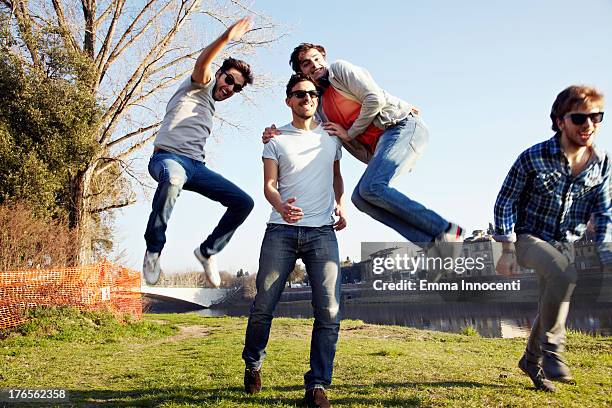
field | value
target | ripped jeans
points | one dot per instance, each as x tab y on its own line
175	172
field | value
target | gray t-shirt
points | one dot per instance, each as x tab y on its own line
305	171
188	120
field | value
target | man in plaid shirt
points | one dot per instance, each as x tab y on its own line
544	205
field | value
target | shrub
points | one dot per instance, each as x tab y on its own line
28	240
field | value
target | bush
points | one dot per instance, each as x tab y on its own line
470	331
31	241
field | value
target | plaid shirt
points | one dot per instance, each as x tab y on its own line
541	197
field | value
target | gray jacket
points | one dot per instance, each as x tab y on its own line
377	106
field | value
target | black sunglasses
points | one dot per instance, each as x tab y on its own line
580	118
230	80
302	94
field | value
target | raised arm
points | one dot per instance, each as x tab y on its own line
201	71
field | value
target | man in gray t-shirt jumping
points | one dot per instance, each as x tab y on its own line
178	158
302	182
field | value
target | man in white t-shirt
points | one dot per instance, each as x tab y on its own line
178	159
302	182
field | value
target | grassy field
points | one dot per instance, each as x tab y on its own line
188	361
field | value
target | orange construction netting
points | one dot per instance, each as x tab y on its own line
101	286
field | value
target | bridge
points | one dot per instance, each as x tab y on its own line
204	297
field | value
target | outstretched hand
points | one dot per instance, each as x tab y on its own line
238	29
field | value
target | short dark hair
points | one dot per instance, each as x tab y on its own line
294	60
572	97
296	79
240	66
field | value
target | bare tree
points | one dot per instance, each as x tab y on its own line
134	51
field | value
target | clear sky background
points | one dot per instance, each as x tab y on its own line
483	73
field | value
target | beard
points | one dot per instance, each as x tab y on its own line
304	116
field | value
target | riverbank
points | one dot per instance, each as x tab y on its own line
188	360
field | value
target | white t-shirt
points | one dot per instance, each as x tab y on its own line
305	171
188	120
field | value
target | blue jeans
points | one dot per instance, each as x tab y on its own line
175	172
281	247
396	152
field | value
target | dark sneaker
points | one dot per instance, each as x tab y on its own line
316	398
535	372
252	381
556	369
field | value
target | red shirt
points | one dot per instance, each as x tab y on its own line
344	111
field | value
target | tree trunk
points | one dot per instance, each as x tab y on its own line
80	215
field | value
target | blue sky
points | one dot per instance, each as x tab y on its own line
483	73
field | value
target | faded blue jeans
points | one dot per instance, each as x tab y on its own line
281	247
175	172
396	152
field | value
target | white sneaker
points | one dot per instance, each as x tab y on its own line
449	243
434	274
210	267
151	269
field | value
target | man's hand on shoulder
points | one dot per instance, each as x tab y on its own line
334	129
269	133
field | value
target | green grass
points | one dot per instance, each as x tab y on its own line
188	360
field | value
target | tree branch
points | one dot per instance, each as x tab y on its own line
65	32
162	85
89	14
119	48
140	74
110	161
24	22
126	203
104	14
99	61
132	134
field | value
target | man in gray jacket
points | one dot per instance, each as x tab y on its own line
384	132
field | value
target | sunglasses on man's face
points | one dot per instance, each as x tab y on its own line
580	118
302	94
230	80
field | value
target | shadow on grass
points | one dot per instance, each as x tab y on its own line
359	394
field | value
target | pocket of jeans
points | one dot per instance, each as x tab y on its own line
273	227
151	167
420	136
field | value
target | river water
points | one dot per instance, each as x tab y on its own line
490	320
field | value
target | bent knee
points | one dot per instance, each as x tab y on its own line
357	200
371	192
244	205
